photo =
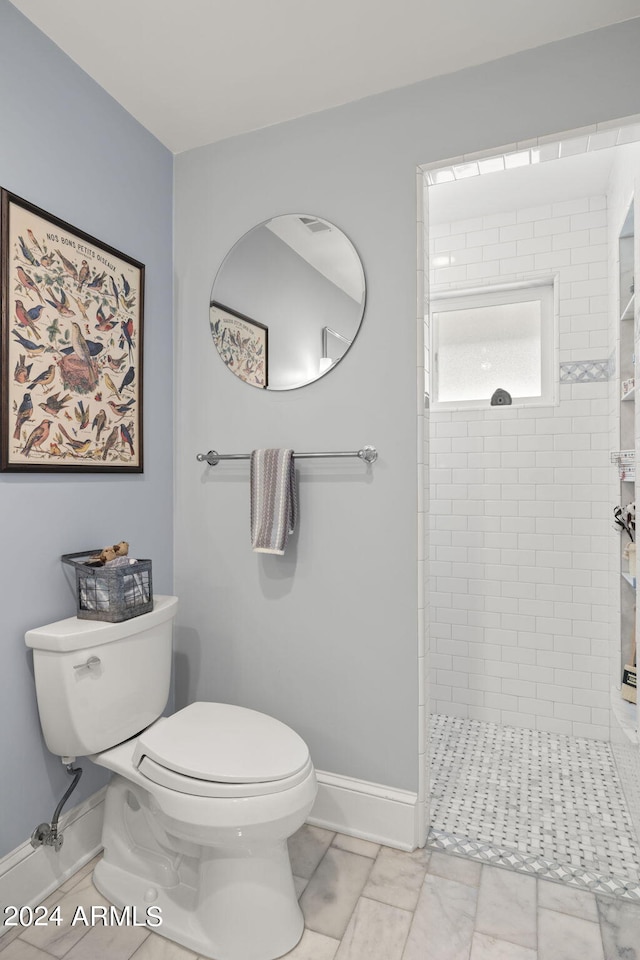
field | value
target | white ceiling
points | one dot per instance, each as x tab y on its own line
197	71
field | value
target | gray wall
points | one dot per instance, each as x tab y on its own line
68	147
326	637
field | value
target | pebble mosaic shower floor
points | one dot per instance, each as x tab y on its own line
536	802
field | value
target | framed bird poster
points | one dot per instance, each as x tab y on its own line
242	343
71	347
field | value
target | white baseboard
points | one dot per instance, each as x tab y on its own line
28	875
366	810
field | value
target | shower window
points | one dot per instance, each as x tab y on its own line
497	337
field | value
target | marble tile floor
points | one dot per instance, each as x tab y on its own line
537	802
362	901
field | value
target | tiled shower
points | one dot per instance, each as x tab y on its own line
534	761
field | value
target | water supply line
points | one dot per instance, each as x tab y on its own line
47	833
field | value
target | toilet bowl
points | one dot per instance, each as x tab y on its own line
200	804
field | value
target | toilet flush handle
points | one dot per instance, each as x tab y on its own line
91	662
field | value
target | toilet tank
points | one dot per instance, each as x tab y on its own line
98	683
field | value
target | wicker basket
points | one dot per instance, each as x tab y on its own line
112	594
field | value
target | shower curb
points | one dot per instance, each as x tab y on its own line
511	859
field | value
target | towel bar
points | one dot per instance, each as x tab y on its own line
368	454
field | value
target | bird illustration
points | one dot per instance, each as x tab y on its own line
128	378
34	312
126	437
47	261
53	404
114	291
78	370
37	437
111	385
104	322
34	242
45	378
127	334
24	413
116	362
82	415
69	267
54	449
61	304
79	446
79	344
127	301
33	349
98	280
93	346
28	317
99	422
82	307
28	283
110	441
22	372
26	253
83	274
121	409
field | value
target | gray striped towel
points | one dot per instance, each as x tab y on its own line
274	499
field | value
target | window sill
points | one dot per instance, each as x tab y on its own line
457	407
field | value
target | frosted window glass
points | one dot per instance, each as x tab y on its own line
482	348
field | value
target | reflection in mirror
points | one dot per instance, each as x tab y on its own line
287	302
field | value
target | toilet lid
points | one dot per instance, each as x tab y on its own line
223	743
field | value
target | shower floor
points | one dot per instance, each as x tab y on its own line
536	802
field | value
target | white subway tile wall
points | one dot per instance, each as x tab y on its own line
519	536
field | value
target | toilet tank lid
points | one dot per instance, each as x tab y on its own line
223	743
74	634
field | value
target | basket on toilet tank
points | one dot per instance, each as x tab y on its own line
110	593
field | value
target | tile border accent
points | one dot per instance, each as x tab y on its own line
585	371
501	856
28	875
369	811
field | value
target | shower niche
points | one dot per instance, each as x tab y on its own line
626	456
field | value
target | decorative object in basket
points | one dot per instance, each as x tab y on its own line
111	586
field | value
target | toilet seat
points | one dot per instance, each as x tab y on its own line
210	788
221	750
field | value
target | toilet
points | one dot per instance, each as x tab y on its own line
201	803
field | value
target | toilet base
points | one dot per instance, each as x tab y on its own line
242	911
225	892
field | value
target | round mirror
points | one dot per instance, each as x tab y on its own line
287	302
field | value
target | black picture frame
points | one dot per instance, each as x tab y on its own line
71	328
243	344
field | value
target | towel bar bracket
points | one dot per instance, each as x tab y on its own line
212	458
368	454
